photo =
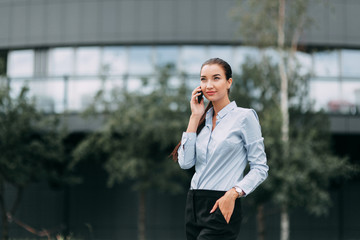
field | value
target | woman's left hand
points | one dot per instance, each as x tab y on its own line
226	204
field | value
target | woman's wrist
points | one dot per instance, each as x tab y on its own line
233	193
195	117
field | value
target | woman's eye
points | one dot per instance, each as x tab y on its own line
202	79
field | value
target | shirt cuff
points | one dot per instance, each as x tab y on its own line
187	136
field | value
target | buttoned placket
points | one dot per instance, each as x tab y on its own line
210	142
219	116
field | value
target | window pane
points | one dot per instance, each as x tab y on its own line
192	57
61	61
223	52
169	55
88	61
166	55
240	55
271	53
140	84
305	61
115	59
21	63
140	60
348	97
48	93
16	86
323	92
326	64
81	92
350	63
350	91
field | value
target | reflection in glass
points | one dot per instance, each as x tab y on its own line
141	84
336	85
16	86
271	53
48	93
323	92
166	55
350	62
111	83
88	61
169	55
240	55
140	60
134	84
192	57
326	64
223	52
21	63
61	62
81	92
305	61
350	91
115	59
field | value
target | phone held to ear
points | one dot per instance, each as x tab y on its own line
200	97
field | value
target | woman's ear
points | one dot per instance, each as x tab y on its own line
229	81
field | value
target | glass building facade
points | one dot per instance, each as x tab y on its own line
67	78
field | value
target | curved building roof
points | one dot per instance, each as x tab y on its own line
43	23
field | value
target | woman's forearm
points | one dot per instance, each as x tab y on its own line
193	123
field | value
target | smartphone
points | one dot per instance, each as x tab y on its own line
200	97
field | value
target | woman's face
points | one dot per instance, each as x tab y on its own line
213	82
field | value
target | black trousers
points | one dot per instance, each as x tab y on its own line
203	225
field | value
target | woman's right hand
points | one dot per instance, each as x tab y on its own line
197	109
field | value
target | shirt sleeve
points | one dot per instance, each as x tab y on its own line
186	151
256	157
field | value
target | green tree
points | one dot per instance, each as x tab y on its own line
31	149
279	24
302	177
140	129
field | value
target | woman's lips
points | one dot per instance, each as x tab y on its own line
210	93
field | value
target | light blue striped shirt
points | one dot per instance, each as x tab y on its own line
220	156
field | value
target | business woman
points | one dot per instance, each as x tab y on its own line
220	141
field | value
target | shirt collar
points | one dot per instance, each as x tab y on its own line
227	109
221	114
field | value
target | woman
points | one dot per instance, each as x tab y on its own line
220	140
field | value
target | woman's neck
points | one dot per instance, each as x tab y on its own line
218	105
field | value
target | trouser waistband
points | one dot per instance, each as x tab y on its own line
206	193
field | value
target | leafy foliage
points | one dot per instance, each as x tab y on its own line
139	132
303	178
30	143
32	150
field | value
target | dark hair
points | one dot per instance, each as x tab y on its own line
228	74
